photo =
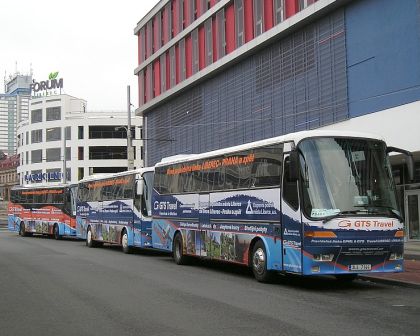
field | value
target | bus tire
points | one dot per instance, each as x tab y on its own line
178	251
89	239
56	232
346	277
22	231
259	263
124	242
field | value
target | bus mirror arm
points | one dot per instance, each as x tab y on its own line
408	159
139	187
294	165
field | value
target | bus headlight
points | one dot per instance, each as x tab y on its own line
396	256
323	257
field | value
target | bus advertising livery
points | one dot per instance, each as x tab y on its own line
308	203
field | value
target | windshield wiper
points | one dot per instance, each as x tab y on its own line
341	213
394	213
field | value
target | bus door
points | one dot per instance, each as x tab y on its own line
204	225
291	217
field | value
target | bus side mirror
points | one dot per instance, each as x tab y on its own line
139	187
408	159
294	166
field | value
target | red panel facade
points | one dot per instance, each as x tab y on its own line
178	65
168	71
165	21
201	48
175	17
200	9
187	10
291	7
146	88
156	75
139	48
230	28
248	20
188	56
156	36
268	15
212	2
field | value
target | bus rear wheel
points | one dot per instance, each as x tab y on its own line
178	251
89	239
124	242
259	263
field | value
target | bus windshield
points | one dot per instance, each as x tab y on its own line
346	176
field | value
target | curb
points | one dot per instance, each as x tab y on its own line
390	281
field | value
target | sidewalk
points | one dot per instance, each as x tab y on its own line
411	275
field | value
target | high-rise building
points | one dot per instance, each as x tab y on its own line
14	107
218	73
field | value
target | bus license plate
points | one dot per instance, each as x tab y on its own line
361	267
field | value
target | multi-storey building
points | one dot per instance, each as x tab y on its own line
14	105
214	74
8	176
59	126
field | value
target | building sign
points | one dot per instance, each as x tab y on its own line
46	177
50	87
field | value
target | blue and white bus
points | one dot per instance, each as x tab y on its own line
116	209
308	203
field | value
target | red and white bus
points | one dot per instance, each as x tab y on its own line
48	210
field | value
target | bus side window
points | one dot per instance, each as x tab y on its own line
290	191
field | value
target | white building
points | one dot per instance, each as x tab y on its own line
94	142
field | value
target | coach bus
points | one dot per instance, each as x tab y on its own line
116	209
308	203
44	209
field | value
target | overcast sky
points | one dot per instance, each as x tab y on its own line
90	42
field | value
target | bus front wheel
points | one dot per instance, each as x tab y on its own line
56	232
22	231
178	251
259	263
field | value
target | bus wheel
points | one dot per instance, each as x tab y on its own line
259	263
177	250
124	242
89	240
346	277
56	232
22	231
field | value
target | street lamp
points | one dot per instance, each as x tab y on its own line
130	149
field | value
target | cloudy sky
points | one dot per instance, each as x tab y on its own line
90	42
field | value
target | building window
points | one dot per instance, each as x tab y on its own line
172	67
53	113
68	133
36	116
303	4
208	41
195	51
80	173
36	172
162	72
258	18
80	132
36	136
278	11
193	11
36	156
55	172
27	157
141	87
53	154
53	134
221	37
142	45
180	15
27	138
169	25
182	62
239	22
158	31
80	153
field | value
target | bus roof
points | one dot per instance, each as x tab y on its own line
42	186
295	137
110	175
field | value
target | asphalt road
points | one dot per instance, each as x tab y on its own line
50	287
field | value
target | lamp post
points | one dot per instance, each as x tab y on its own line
130	152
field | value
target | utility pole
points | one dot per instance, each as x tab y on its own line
130	151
